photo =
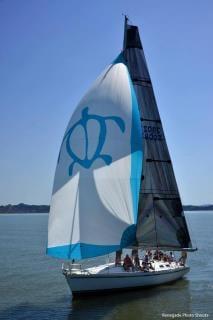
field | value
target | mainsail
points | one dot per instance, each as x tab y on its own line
161	222
114	184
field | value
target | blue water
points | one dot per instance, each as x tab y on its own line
33	287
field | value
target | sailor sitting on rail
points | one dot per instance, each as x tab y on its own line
183	258
128	263
144	267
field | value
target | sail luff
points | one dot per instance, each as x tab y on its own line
161	222
125	28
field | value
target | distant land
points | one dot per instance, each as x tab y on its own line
24	208
31	208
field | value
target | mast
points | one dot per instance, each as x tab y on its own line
161	222
125	27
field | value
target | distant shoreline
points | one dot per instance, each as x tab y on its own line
28	208
24	208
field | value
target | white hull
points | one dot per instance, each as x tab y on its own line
92	283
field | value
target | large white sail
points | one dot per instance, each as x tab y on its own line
96	188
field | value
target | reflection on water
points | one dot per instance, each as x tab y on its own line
146	304
140	304
32	286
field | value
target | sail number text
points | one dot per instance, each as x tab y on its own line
152	133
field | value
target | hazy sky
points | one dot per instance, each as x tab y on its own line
51	51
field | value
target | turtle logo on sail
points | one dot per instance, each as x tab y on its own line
86	162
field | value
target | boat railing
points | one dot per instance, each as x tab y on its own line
73	268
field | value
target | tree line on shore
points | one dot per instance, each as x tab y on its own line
31	208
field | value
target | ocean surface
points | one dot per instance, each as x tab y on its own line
33	287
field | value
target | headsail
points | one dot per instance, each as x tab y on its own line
96	188
161	222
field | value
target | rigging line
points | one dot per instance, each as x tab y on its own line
108	262
187	223
74	220
156	236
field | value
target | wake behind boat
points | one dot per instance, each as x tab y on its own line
114	184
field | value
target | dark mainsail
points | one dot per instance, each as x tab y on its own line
161	222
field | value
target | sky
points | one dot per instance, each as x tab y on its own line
52	50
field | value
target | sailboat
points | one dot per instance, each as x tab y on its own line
114	185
